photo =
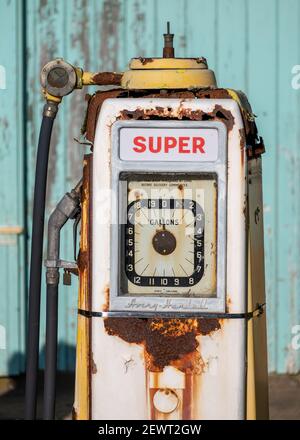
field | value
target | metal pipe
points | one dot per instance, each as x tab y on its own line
66	209
49	113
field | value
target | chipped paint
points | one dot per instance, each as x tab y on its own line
93	365
218	113
107	78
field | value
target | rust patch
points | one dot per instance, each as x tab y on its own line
166	341
207	326
257	215
96	101
245	208
107	78
137	195
106	295
145	61
168	52
94	106
228	304
82	260
213	94
132	330
242	144
93	365
224	115
187	398
242	138
255	143
218	113
74	414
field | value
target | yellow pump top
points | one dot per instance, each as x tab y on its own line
168	72
59	78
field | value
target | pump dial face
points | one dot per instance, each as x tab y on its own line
169	239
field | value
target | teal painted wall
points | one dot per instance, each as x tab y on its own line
251	44
12	154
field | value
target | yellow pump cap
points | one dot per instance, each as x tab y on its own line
168	73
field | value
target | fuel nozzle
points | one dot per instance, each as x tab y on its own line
168	51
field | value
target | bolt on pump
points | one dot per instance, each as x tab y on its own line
171	304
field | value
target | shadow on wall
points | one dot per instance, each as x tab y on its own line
12	390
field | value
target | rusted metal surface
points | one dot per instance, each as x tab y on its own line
168	50
83	260
166	341
94	105
259	149
242	137
84	360
218	113
106	294
107	78
145	61
93	365
255	144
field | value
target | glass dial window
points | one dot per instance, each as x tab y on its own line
168	243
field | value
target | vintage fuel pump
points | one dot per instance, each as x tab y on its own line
171	309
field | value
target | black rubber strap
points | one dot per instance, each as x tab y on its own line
249	315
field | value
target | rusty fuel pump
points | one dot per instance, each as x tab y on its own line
171	307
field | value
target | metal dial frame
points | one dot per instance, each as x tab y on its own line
139	304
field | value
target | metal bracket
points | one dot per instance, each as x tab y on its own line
259	310
61	264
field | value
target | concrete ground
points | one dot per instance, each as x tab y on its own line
284	397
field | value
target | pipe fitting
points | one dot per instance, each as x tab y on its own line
58	78
50	109
66	208
52	276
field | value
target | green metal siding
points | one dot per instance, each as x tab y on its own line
12	147
251	44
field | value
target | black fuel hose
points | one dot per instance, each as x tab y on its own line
32	361
51	352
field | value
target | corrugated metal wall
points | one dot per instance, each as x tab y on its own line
12	218
251	44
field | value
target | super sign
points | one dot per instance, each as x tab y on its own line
164	144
